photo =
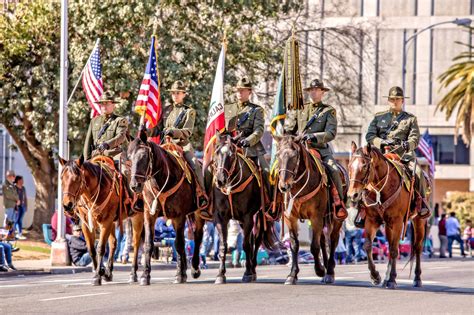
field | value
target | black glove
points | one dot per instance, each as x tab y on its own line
387	142
169	132
103	146
244	143
310	137
405	146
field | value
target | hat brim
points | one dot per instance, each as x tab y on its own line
106	101
317	87
403	97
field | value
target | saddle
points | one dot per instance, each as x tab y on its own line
177	152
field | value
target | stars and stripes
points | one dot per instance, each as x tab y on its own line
426	149
149	96
92	83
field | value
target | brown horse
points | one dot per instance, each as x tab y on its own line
92	192
237	195
377	186
158	174
304	187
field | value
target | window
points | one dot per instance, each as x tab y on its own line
446	152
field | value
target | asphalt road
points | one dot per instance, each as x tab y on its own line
448	288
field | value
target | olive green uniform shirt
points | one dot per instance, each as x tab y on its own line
10	195
115	135
391	125
181	120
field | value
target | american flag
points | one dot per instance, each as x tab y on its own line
149	97
92	80
426	149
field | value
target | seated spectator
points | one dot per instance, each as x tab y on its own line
165	233
78	248
6	257
54	225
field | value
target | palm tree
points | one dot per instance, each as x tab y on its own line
461	95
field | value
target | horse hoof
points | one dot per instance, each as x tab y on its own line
108	277
247	278
145	281
133	279
254	277
320	273
180	279
220	280
195	273
376	280
389	285
96	281
291	280
328	279
417	284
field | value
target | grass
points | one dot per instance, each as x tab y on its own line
37	249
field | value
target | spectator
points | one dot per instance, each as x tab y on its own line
6	257
235	242
353	238
340	253
10	197
443	239
78	248
207	240
467	237
54	225
121	254
21	208
165	233
453	231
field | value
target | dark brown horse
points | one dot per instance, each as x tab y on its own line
92	192
237	195
304	188
377	186
158	174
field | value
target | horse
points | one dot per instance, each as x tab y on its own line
376	185
93	193
303	183
160	176
237	194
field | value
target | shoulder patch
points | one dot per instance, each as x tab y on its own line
333	112
123	122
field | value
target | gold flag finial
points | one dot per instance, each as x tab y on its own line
155	25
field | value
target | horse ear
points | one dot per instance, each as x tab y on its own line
142	135
353	147
367	149
62	161
80	160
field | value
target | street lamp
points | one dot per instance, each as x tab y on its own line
458	22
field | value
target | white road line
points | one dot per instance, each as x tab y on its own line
318	278
409	281
73	296
357	272
441	267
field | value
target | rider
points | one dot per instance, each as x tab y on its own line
248	120
179	126
107	135
399	130
317	121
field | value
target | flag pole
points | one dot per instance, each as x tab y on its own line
82	72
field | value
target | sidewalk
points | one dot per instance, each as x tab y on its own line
43	267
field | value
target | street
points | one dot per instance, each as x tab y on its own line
448	288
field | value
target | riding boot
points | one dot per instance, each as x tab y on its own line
423	210
340	210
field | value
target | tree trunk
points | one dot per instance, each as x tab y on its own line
45	184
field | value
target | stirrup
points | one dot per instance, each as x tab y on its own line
424	213
340	213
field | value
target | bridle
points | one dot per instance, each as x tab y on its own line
148	173
233	180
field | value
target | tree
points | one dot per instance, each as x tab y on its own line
460	98
189	39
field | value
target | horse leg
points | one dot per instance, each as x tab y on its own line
180	250
324	251
256	248
317	227
370	229
221	225
393	236
110	262
104	235
90	242
250	251
334	239
419	228
137	227
198	234
295	247
149	234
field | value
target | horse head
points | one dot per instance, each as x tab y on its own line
360	170
140	154
72	183
224	159
289	158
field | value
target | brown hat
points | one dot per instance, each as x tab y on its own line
178	86
244	83
316	84
396	92
106	97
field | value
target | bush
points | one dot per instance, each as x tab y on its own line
462	203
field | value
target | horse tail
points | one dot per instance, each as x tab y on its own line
267	232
